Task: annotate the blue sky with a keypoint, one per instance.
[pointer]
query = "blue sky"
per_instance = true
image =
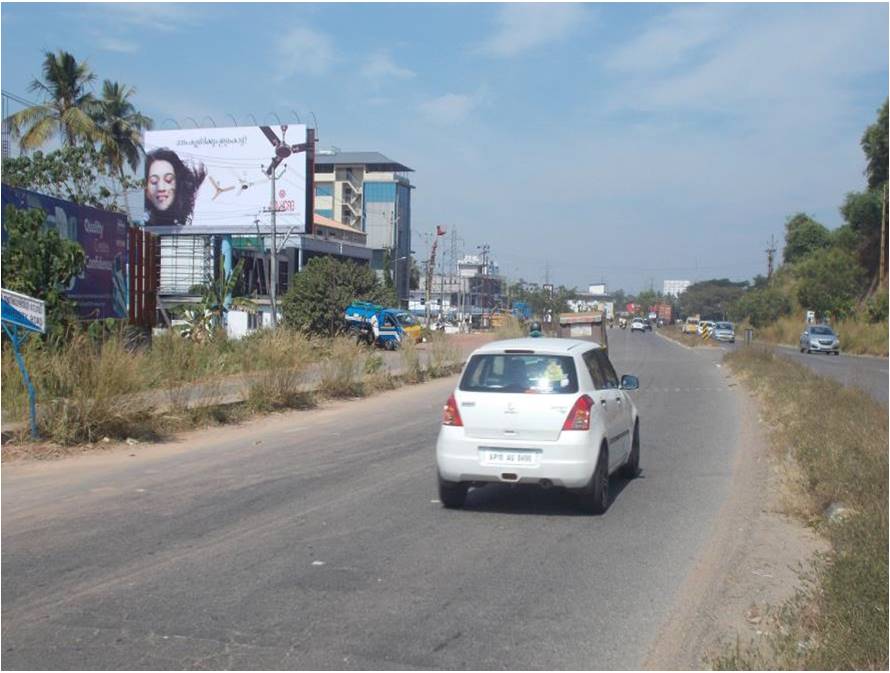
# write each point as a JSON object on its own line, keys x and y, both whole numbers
{"x": 628, "y": 142}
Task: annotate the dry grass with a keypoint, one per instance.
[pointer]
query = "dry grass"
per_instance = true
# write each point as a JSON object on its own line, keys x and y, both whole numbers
{"x": 857, "y": 336}
{"x": 274, "y": 365}
{"x": 838, "y": 437}
{"x": 342, "y": 372}
{"x": 444, "y": 356}
{"x": 413, "y": 371}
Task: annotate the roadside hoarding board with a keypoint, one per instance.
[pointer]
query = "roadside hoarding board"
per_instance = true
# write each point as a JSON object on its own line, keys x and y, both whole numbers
{"x": 23, "y": 311}
{"x": 215, "y": 179}
{"x": 100, "y": 291}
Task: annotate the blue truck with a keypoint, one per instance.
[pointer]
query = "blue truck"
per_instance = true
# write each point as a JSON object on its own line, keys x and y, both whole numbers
{"x": 380, "y": 326}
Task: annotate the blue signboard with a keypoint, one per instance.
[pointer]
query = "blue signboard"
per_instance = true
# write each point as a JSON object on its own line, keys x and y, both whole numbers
{"x": 100, "y": 291}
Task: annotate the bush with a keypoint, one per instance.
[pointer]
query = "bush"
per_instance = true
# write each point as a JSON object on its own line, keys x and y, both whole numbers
{"x": 876, "y": 306}
{"x": 444, "y": 356}
{"x": 761, "y": 307}
{"x": 412, "y": 369}
{"x": 829, "y": 282}
{"x": 274, "y": 363}
{"x": 510, "y": 329}
{"x": 342, "y": 372}
{"x": 320, "y": 293}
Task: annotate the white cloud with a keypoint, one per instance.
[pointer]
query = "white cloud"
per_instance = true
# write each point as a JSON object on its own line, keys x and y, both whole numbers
{"x": 449, "y": 109}
{"x": 160, "y": 16}
{"x": 303, "y": 50}
{"x": 521, "y": 27}
{"x": 381, "y": 66}
{"x": 674, "y": 38}
{"x": 117, "y": 45}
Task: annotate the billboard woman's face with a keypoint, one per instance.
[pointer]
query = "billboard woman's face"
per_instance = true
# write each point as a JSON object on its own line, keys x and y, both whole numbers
{"x": 161, "y": 184}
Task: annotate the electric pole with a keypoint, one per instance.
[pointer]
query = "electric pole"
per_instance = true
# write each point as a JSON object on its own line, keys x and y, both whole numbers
{"x": 770, "y": 253}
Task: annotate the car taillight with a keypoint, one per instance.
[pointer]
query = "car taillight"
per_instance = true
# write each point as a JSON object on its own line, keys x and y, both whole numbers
{"x": 450, "y": 414}
{"x": 579, "y": 416}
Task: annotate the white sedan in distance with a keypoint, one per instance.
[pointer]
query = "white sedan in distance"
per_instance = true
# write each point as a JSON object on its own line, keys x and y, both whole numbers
{"x": 550, "y": 412}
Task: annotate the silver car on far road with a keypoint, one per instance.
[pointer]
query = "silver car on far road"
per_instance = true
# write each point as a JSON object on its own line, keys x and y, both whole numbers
{"x": 819, "y": 338}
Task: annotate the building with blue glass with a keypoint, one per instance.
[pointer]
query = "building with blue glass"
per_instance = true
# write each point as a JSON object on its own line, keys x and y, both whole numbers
{"x": 372, "y": 194}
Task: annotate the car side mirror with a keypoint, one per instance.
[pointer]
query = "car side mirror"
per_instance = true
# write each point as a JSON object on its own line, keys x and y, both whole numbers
{"x": 629, "y": 382}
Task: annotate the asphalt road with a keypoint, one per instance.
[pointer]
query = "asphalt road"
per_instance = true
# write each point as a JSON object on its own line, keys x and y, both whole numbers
{"x": 869, "y": 374}
{"x": 313, "y": 540}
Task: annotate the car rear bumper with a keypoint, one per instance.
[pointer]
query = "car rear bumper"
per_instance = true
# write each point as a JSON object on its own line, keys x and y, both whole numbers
{"x": 724, "y": 337}
{"x": 568, "y": 462}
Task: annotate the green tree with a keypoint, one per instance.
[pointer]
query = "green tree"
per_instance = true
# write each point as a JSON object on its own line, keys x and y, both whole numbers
{"x": 68, "y": 104}
{"x": 829, "y": 282}
{"x": 321, "y": 292}
{"x": 75, "y": 173}
{"x": 119, "y": 128}
{"x": 862, "y": 212}
{"x": 38, "y": 262}
{"x": 711, "y": 299}
{"x": 761, "y": 306}
{"x": 874, "y": 144}
{"x": 803, "y": 235}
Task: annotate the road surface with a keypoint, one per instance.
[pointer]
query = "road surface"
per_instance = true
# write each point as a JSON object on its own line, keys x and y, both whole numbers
{"x": 312, "y": 540}
{"x": 869, "y": 374}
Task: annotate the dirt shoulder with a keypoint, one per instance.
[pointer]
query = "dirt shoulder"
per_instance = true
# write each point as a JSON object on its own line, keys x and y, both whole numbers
{"x": 752, "y": 559}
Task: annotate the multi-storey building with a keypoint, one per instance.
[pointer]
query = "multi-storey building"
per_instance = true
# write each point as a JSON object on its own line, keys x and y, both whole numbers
{"x": 675, "y": 288}
{"x": 371, "y": 193}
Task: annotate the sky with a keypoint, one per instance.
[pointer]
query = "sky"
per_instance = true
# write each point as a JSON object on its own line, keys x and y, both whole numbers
{"x": 625, "y": 143}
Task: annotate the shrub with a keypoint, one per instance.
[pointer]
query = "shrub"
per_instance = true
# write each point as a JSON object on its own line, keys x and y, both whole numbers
{"x": 510, "y": 329}
{"x": 274, "y": 363}
{"x": 411, "y": 365}
{"x": 830, "y": 281}
{"x": 444, "y": 356}
{"x": 342, "y": 372}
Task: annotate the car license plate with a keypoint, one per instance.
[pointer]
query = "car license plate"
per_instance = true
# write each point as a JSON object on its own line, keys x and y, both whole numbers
{"x": 512, "y": 458}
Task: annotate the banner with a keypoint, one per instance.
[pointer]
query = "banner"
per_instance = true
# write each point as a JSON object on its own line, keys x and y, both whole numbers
{"x": 216, "y": 178}
{"x": 100, "y": 291}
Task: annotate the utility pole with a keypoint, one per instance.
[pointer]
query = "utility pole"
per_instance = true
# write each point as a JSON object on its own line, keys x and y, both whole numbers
{"x": 273, "y": 262}
{"x": 770, "y": 253}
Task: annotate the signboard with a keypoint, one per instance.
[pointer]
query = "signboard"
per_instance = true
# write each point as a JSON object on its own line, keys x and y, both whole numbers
{"x": 215, "y": 179}
{"x": 100, "y": 291}
{"x": 24, "y": 311}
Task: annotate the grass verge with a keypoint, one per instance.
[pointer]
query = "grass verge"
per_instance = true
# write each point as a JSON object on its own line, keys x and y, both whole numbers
{"x": 838, "y": 438}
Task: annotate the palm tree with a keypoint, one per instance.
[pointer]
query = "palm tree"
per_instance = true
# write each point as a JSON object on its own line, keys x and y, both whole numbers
{"x": 67, "y": 105}
{"x": 119, "y": 127}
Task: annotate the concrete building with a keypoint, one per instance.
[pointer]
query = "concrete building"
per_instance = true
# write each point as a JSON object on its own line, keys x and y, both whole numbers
{"x": 675, "y": 288}
{"x": 372, "y": 194}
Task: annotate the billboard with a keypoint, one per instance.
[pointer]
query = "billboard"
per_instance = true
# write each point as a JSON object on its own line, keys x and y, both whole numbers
{"x": 100, "y": 291}
{"x": 214, "y": 179}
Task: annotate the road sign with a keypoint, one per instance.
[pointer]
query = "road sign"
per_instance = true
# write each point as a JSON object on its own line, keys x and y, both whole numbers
{"x": 24, "y": 311}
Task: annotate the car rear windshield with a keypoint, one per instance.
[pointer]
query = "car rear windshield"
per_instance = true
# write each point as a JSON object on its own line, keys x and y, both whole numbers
{"x": 821, "y": 331}
{"x": 520, "y": 373}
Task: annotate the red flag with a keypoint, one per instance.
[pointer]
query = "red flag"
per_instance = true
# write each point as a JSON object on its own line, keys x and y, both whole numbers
{"x": 439, "y": 231}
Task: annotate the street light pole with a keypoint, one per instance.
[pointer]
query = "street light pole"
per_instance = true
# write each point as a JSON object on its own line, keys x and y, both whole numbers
{"x": 273, "y": 262}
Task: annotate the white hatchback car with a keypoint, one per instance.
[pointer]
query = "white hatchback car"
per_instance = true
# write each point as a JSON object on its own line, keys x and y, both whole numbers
{"x": 550, "y": 412}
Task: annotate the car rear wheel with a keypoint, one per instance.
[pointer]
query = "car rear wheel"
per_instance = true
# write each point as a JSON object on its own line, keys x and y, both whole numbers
{"x": 452, "y": 494}
{"x": 594, "y": 497}
{"x": 631, "y": 468}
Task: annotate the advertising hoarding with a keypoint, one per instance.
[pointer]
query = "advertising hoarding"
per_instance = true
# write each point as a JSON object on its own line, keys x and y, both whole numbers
{"x": 214, "y": 179}
{"x": 100, "y": 291}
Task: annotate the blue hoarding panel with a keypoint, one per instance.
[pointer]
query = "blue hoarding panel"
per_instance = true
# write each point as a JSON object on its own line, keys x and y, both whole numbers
{"x": 100, "y": 291}
{"x": 379, "y": 192}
